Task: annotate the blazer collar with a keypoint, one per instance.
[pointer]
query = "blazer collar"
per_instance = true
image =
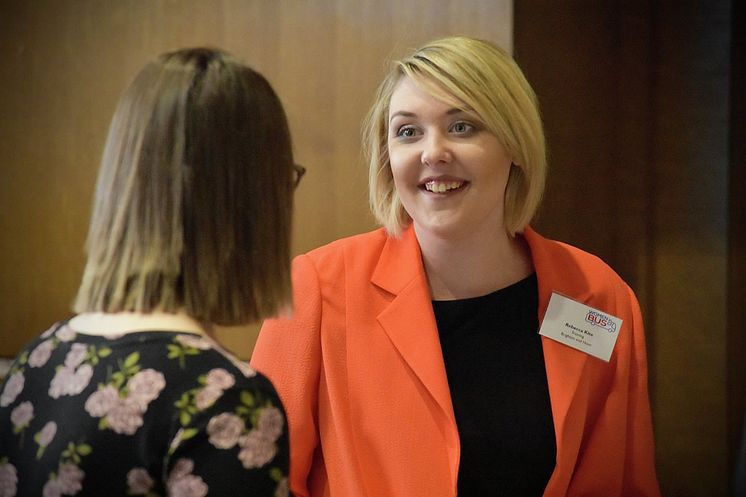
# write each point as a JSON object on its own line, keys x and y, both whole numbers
{"x": 408, "y": 320}
{"x": 400, "y": 263}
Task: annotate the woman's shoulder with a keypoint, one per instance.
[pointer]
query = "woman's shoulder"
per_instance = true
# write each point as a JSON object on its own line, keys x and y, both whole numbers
{"x": 359, "y": 253}
{"x": 206, "y": 356}
{"x": 571, "y": 268}
{"x": 369, "y": 241}
{"x": 553, "y": 251}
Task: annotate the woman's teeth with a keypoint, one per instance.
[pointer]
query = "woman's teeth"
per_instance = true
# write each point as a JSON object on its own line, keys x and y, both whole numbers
{"x": 442, "y": 186}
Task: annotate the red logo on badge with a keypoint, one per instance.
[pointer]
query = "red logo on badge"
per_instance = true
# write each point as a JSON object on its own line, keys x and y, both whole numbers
{"x": 601, "y": 320}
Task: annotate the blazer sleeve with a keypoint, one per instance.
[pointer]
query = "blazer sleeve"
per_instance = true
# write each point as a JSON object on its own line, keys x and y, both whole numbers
{"x": 640, "y": 474}
{"x": 288, "y": 352}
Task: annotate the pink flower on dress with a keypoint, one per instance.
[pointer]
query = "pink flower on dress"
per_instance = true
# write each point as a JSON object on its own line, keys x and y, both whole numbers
{"x": 139, "y": 481}
{"x": 220, "y": 378}
{"x": 52, "y": 488}
{"x": 102, "y": 401}
{"x": 183, "y": 483}
{"x": 41, "y": 354}
{"x": 69, "y": 381}
{"x": 13, "y": 387}
{"x": 65, "y": 333}
{"x": 207, "y": 397}
{"x": 62, "y": 377}
{"x": 247, "y": 370}
{"x": 22, "y": 415}
{"x": 270, "y": 422}
{"x": 125, "y": 417}
{"x": 182, "y": 467}
{"x": 8, "y": 480}
{"x": 70, "y": 478}
{"x": 256, "y": 449}
{"x": 80, "y": 379}
{"x": 178, "y": 438}
{"x": 194, "y": 342}
{"x": 49, "y": 331}
{"x": 145, "y": 386}
{"x": 46, "y": 435}
{"x": 224, "y": 430}
{"x": 77, "y": 354}
{"x": 187, "y": 486}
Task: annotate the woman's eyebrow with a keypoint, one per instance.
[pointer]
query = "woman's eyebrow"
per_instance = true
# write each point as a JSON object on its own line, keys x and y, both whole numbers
{"x": 449, "y": 112}
{"x": 402, "y": 113}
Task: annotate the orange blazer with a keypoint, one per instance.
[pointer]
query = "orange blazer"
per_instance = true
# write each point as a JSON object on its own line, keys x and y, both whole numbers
{"x": 359, "y": 369}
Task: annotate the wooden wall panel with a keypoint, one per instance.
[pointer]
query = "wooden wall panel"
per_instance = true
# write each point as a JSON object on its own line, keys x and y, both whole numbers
{"x": 736, "y": 343}
{"x": 690, "y": 225}
{"x": 587, "y": 61}
{"x": 66, "y": 63}
{"x": 635, "y": 98}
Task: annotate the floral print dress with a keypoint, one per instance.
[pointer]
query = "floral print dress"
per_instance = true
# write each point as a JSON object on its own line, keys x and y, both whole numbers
{"x": 146, "y": 413}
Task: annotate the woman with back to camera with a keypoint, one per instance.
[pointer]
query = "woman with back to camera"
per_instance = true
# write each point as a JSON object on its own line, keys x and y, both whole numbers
{"x": 412, "y": 365}
{"x": 190, "y": 231}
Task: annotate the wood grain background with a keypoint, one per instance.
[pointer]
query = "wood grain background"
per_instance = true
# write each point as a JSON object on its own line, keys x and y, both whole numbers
{"x": 66, "y": 63}
{"x": 643, "y": 105}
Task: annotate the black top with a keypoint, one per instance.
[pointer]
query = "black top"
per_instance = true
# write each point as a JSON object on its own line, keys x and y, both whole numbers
{"x": 147, "y": 413}
{"x": 495, "y": 366}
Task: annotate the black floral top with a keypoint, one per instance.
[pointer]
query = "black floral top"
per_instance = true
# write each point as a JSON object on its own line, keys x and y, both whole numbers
{"x": 146, "y": 413}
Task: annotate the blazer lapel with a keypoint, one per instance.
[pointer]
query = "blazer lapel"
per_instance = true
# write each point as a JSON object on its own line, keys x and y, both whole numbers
{"x": 410, "y": 325}
{"x": 408, "y": 320}
{"x": 556, "y": 271}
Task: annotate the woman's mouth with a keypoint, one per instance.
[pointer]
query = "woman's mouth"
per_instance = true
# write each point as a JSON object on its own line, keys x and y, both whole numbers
{"x": 442, "y": 186}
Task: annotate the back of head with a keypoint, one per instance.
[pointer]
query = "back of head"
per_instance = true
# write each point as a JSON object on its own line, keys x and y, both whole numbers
{"x": 485, "y": 79}
{"x": 194, "y": 197}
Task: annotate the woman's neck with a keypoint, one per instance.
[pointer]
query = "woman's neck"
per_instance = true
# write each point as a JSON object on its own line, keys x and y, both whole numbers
{"x": 475, "y": 265}
{"x": 117, "y": 323}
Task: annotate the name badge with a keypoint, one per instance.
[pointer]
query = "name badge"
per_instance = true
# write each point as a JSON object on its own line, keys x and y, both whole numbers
{"x": 581, "y": 327}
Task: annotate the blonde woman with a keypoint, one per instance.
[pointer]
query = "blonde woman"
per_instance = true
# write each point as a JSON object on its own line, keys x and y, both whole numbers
{"x": 412, "y": 365}
{"x": 190, "y": 231}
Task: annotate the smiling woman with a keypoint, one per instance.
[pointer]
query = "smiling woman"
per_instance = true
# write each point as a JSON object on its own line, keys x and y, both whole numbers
{"x": 414, "y": 350}
{"x": 449, "y": 170}
{"x": 509, "y": 111}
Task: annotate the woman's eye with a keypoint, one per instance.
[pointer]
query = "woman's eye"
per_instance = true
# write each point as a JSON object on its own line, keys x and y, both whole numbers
{"x": 462, "y": 127}
{"x": 406, "y": 132}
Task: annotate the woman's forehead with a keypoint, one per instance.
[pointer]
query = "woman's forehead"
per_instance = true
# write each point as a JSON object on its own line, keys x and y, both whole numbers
{"x": 434, "y": 89}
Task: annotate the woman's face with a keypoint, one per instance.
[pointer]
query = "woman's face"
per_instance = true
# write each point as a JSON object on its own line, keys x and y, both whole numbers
{"x": 450, "y": 172}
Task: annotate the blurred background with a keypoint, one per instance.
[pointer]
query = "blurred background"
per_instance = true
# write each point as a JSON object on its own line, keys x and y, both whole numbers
{"x": 643, "y": 103}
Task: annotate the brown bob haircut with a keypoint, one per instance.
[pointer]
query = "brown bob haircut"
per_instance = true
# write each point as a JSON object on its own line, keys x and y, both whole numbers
{"x": 193, "y": 203}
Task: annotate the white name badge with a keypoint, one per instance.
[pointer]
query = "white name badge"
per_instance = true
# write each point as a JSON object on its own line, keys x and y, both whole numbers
{"x": 581, "y": 327}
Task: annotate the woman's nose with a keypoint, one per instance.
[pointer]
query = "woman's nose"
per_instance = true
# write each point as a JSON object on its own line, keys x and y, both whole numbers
{"x": 435, "y": 150}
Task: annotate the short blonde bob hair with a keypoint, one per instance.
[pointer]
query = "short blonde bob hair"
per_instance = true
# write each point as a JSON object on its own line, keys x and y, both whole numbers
{"x": 487, "y": 81}
{"x": 193, "y": 203}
